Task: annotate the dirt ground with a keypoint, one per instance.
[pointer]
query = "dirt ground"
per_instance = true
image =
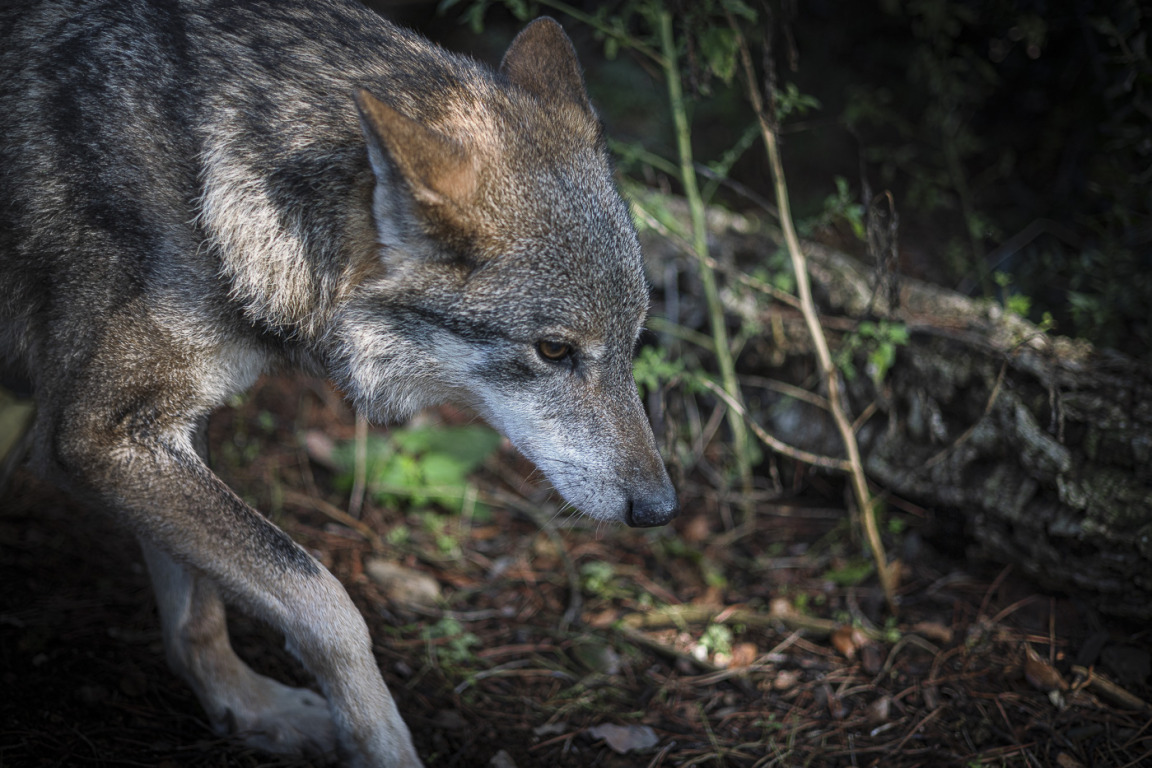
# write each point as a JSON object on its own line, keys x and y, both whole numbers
{"x": 706, "y": 643}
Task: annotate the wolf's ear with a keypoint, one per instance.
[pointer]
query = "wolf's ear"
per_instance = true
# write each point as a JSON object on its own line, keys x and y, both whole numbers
{"x": 439, "y": 170}
{"x": 542, "y": 61}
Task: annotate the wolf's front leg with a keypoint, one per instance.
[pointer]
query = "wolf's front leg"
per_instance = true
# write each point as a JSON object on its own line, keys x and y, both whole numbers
{"x": 217, "y": 546}
{"x": 262, "y": 712}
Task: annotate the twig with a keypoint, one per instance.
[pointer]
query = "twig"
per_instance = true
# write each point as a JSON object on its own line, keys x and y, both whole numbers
{"x": 803, "y": 288}
{"x": 676, "y": 616}
{"x": 740, "y": 443}
{"x": 336, "y": 514}
{"x": 786, "y": 389}
{"x": 992, "y": 590}
{"x": 640, "y": 638}
{"x": 775, "y": 443}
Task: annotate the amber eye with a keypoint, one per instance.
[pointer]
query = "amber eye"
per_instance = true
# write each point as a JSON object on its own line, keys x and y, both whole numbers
{"x": 553, "y": 351}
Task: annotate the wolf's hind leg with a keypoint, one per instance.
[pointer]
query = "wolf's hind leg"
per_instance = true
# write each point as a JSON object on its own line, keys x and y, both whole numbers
{"x": 265, "y": 714}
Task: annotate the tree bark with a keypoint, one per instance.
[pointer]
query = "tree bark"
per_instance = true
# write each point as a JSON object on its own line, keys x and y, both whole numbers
{"x": 1042, "y": 444}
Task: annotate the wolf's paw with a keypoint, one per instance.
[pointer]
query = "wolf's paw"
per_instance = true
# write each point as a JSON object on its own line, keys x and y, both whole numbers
{"x": 276, "y": 718}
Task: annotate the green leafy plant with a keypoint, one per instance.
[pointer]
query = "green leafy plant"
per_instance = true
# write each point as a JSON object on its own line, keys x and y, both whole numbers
{"x": 449, "y": 644}
{"x": 596, "y": 577}
{"x": 717, "y": 638}
{"x": 653, "y": 368}
{"x": 851, "y": 573}
{"x": 841, "y": 205}
{"x": 1014, "y": 302}
{"x": 879, "y": 341}
{"x": 447, "y": 542}
{"x": 776, "y": 271}
{"x": 420, "y": 466}
{"x": 790, "y": 100}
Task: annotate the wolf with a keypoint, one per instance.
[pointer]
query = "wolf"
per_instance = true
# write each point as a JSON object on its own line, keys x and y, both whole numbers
{"x": 194, "y": 193}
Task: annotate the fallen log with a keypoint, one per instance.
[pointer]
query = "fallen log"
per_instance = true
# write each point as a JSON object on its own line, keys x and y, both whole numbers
{"x": 1040, "y": 443}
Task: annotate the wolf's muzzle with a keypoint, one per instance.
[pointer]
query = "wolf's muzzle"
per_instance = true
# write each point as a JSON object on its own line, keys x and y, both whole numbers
{"x": 650, "y": 511}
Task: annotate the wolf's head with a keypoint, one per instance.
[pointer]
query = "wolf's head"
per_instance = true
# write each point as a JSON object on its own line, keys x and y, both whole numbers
{"x": 511, "y": 279}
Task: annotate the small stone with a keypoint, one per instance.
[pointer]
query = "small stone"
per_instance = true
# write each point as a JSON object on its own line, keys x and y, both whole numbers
{"x": 405, "y": 586}
{"x": 502, "y": 760}
{"x": 786, "y": 679}
{"x": 623, "y": 739}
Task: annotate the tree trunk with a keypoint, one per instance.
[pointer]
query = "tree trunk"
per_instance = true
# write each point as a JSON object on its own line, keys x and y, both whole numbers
{"x": 1041, "y": 443}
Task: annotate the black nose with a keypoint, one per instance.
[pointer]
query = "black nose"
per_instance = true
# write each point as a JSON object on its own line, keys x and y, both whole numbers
{"x": 650, "y": 511}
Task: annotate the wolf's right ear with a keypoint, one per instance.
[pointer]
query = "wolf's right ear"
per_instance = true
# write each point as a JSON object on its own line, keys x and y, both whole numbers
{"x": 542, "y": 61}
{"x": 439, "y": 170}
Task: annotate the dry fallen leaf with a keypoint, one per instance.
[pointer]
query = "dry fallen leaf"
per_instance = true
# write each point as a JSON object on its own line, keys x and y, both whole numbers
{"x": 744, "y": 654}
{"x": 1065, "y": 760}
{"x": 623, "y": 739}
{"x": 932, "y": 630}
{"x": 785, "y": 679}
{"x": 502, "y": 760}
{"x": 1042, "y": 675}
{"x": 848, "y": 640}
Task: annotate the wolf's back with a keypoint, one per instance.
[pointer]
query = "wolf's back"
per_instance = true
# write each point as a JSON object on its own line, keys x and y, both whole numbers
{"x": 200, "y": 152}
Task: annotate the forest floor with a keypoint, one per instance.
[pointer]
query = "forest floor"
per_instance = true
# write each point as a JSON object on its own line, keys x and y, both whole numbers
{"x": 560, "y": 642}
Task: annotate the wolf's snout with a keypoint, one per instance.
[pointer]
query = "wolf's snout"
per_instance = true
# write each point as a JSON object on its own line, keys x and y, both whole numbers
{"x": 652, "y": 510}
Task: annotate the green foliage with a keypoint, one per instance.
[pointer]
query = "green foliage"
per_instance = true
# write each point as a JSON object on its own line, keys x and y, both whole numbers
{"x": 718, "y": 47}
{"x": 721, "y": 167}
{"x": 399, "y": 536}
{"x": 1016, "y": 303}
{"x": 776, "y": 271}
{"x": 852, "y": 573}
{"x": 447, "y": 542}
{"x": 842, "y": 205}
{"x": 653, "y": 368}
{"x": 421, "y": 465}
{"x": 455, "y": 650}
{"x": 879, "y": 341}
{"x": 717, "y": 638}
{"x": 1100, "y": 295}
{"x": 790, "y": 101}
{"x": 596, "y": 577}
{"x": 472, "y": 15}
{"x": 891, "y": 631}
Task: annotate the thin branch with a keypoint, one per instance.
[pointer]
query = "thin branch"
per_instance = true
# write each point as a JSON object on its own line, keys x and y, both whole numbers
{"x": 808, "y": 307}
{"x": 775, "y": 443}
{"x": 727, "y": 366}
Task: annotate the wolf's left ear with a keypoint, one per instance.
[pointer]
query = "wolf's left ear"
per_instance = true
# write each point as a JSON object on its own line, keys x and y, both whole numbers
{"x": 542, "y": 61}
{"x": 439, "y": 170}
